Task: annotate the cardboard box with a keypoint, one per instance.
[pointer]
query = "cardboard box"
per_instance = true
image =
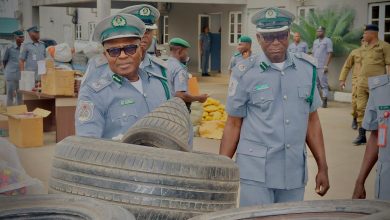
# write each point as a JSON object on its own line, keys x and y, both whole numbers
{"x": 3, "y": 126}
{"x": 58, "y": 82}
{"x": 26, "y": 128}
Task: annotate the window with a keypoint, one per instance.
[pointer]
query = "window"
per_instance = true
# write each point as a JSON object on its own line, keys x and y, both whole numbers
{"x": 379, "y": 14}
{"x": 235, "y": 27}
{"x": 165, "y": 30}
{"x": 91, "y": 28}
{"x": 304, "y": 11}
{"x": 78, "y": 32}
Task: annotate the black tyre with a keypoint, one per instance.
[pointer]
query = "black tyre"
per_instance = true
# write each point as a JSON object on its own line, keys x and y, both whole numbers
{"x": 60, "y": 207}
{"x": 319, "y": 210}
{"x": 168, "y": 126}
{"x": 152, "y": 183}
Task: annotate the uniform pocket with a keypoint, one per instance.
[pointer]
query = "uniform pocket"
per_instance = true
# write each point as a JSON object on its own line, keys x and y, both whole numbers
{"x": 304, "y": 93}
{"x": 124, "y": 115}
{"x": 251, "y": 159}
{"x": 261, "y": 97}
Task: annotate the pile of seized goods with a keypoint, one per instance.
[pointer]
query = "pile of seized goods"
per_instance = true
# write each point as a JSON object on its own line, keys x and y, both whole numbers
{"x": 213, "y": 119}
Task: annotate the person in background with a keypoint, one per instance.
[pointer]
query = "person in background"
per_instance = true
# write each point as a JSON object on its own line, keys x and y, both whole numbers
{"x": 123, "y": 93}
{"x": 354, "y": 62}
{"x": 322, "y": 51}
{"x": 178, "y": 75}
{"x": 205, "y": 49}
{"x": 243, "y": 51}
{"x": 376, "y": 120}
{"x": 297, "y": 45}
{"x": 12, "y": 69}
{"x": 376, "y": 61}
{"x": 272, "y": 114}
{"x": 152, "y": 50}
{"x": 32, "y": 52}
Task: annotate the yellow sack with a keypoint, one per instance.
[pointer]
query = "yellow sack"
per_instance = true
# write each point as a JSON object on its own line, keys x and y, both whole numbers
{"x": 212, "y": 129}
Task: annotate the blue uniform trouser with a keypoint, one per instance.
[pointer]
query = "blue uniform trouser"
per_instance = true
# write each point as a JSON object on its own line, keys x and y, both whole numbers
{"x": 322, "y": 82}
{"x": 205, "y": 61}
{"x": 256, "y": 194}
{"x": 12, "y": 88}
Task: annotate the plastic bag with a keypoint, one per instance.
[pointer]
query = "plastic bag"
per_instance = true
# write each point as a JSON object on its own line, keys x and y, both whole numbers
{"x": 13, "y": 178}
{"x": 212, "y": 129}
{"x": 62, "y": 53}
{"x": 196, "y": 113}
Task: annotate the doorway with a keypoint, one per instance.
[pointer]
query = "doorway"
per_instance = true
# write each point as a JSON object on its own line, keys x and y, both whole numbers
{"x": 213, "y": 20}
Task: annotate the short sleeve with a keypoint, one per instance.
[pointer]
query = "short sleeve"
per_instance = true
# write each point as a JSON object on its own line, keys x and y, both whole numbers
{"x": 180, "y": 81}
{"x": 329, "y": 46}
{"x": 23, "y": 53}
{"x": 317, "y": 102}
{"x": 305, "y": 47}
{"x": 6, "y": 55}
{"x": 89, "y": 117}
{"x": 370, "y": 121}
{"x": 232, "y": 63}
{"x": 386, "y": 52}
{"x": 236, "y": 104}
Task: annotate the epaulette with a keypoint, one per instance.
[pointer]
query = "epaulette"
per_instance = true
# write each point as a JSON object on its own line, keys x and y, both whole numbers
{"x": 150, "y": 73}
{"x": 243, "y": 66}
{"x": 236, "y": 54}
{"x": 377, "y": 81}
{"x": 159, "y": 61}
{"x": 307, "y": 58}
{"x": 100, "y": 84}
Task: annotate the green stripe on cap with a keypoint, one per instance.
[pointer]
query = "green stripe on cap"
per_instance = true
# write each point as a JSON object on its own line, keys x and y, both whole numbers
{"x": 245, "y": 39}
{"x": 179, "y": 42}
{"x": 118, "y": 31}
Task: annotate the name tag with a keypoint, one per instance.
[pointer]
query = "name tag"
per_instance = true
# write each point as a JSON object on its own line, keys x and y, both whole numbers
{"x": 382, "y": 131}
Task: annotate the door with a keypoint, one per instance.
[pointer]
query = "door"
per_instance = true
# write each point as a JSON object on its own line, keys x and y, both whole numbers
{"x": 215, "y": 58}
{"x": 203, "y": 20}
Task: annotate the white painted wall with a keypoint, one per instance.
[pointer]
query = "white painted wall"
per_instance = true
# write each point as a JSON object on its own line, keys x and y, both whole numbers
{"x": 8, "y": 8}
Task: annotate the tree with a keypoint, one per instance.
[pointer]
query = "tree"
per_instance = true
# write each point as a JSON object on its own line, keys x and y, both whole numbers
{"x": 338, "y": 24}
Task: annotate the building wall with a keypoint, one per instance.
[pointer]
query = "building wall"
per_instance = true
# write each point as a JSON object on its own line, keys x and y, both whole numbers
{"x": 8, "y": 8}
{"x": 183, "y": 22}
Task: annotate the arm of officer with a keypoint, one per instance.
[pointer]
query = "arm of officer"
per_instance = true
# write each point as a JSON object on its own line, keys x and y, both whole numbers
{"x": 370, "y": 122}
{"x": 330, "y": 53}
{"x": 180, "y": 84}
{"x": 5, "y": 57}
{"x": 315, "y": 142}
{"x": 345, "y": 70}
{"x": 90, "y": 116}
{"x": 386, "y": 52}
{"x": 22, "y": 58}
{"x": 236, "y": 109}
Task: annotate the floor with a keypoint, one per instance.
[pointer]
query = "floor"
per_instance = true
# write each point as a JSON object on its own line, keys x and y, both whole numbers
{"x": 344, "y": 159}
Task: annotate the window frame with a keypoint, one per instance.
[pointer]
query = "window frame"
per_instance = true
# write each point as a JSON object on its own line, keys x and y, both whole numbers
{"x": 79, "y": 32}
{"x": 165, "y": 31}
{"x": 235, "y": 24}
{"x": 306, "y": 11}
{"x": 381, "y": 19}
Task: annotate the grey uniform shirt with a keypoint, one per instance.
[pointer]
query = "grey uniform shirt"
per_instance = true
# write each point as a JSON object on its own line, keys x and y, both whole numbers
{"x": 107, "y": 108}
{"x": 31, "y": 53}
{"x": 320, "y": 51}
{"x": 300, "y": 47}
{"x": 206, "y": 41}
{"x": 11, "y": 57}
{"x": 177, "y": 75}
{"x": 272, "y": 102}
{"x": 378, "y": 104}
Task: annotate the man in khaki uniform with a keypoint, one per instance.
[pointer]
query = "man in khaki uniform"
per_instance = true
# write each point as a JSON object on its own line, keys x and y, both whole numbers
{"x": 376, "y": 58}
{"x": 354, "y": 62}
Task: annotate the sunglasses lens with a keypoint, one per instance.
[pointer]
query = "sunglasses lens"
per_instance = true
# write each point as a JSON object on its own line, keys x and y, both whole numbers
{"x": 271, "y": 37}
{"x": 114, "y": 52}
{"x": 130, "y": 49}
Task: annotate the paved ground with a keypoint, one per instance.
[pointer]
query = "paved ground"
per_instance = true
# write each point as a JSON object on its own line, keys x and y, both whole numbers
{"x": 344, "y": 159}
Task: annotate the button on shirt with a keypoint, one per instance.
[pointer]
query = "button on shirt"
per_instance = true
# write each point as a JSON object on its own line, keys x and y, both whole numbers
{"x": 107, "y": 108}
{"x": 321, "y": 48}
{"x": 31, "y": 53}
{"x": 272, "y": 102}
{"x": 11, "y": 57}
{"x": 300, "y": 47}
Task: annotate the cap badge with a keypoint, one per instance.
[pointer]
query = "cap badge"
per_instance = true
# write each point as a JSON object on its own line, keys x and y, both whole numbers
{"x": 118, "y": 21}
{"x": 145, "y": 11}
{"x": 270, "y": 13}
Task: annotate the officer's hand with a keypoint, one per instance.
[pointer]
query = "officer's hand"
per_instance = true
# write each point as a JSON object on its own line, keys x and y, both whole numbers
{"x": 359, "y": 192}
{"x": 342, "y": 84}
{"x": 322, "y": 183}
{"x": 203, "y": 98}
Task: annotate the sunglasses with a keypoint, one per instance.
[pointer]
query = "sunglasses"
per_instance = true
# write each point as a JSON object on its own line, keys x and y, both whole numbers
{"x": 271, "y": 37}
{"x": 128, "y": 49}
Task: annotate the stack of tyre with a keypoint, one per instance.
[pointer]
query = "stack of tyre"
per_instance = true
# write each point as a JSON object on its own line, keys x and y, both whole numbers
{"x": 152, "y": 173}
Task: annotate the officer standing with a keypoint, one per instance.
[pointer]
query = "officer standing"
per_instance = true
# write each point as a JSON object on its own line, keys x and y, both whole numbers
{"x": 243, "y": 51}
{"x": 109, "y": 105}
{"x": 376, "y": 120}
{"x": 12, "y": 71}
{"x": 272, "y": 106}
{"x": 298, "y": 45}
{"x": 376, "y": 58}
{"x": 178, "y": 75}
{"x": 354, "y": 62}
{"x": 322, "y": 51}
{"x": 205, "y": 49}
{"x": 32, "y": 52}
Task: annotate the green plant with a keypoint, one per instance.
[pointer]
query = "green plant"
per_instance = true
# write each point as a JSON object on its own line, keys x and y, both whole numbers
{"x": 338, "y": 24}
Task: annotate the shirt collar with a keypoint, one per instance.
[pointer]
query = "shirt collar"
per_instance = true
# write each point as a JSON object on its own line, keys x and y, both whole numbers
{"x": 146, "y": 62}
{"x": 265, "y": 63}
